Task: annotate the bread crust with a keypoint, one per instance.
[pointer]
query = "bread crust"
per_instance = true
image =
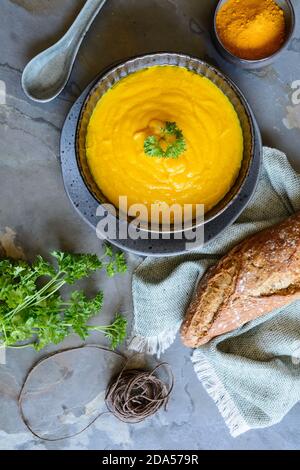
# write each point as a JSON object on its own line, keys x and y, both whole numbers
{"x": 260, "y": 274}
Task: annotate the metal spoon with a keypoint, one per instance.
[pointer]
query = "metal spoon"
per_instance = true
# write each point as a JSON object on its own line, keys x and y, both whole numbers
{"x": 46, "y": 75}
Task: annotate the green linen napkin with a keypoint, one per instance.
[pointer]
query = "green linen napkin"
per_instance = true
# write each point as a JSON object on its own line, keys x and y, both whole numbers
{"x": 252, "y": 373}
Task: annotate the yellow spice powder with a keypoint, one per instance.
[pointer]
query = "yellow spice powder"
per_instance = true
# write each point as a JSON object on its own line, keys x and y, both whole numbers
{"x": 251, "y": 29}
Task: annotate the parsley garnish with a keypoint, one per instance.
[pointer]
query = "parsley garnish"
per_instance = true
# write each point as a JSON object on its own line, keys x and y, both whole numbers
{"x": 33, "y": 310}
{"x": 153, "y": 144}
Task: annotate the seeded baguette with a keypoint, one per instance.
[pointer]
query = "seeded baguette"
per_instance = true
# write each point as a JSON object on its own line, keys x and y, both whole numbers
{"x": 260, "y": 274}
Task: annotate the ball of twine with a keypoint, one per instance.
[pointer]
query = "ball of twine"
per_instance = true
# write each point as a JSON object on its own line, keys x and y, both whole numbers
{"x": 136, "y": 394}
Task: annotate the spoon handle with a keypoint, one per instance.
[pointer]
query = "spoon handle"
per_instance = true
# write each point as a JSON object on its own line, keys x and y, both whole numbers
{"x": 82, "y": 23}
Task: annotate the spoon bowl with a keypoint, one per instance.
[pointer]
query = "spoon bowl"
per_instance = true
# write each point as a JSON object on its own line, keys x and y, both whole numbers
{"x": 47, "y": 74}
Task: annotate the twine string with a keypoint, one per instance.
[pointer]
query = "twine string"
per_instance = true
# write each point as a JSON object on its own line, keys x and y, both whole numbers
{"x": 132, "y": 396}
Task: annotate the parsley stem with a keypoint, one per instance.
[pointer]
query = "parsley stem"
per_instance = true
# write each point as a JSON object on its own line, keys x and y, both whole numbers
{"x": 5, "y": 284}
{"x": 97, "y": 328}
{"x": 4, "y": 331}
{"x": 31, "y": 299}
{"x": 49, "y": 294}
{"x": 26, "y": 278}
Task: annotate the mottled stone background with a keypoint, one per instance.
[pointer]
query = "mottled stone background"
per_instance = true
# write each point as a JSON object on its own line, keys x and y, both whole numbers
{"x": 36, "y": 216}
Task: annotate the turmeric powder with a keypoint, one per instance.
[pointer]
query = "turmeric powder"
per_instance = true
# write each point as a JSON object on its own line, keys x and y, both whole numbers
{"x": 251, "y": 29}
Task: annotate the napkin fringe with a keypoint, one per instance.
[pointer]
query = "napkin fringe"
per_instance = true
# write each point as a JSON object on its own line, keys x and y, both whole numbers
{"x": 216, "y": 390}
{"x": 154, "y": 345}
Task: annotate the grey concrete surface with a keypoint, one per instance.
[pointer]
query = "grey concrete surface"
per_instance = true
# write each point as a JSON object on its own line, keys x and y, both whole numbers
{"x": 36, "y": 216}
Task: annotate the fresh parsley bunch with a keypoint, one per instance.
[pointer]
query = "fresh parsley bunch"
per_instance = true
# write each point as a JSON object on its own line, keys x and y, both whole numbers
{"x": 32, "y": 308}
{"x": 153, "y": 143}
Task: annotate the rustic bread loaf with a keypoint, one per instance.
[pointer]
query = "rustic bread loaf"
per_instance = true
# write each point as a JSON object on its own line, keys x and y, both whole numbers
{"x": 260, "y": 274}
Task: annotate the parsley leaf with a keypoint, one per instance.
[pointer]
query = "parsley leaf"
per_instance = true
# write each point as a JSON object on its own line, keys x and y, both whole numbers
{"x": 152, "y": 147}
{"x": 116, "y": 332}
{"x": 173, "y": 149}
{"x": 116, "y": 263}
{"x": 76, "y": 266}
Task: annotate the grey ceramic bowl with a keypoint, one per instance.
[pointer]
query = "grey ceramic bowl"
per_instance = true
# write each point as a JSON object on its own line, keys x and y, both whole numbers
{"x": 197, "y": 66}
{"x": 290, "y": 19}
